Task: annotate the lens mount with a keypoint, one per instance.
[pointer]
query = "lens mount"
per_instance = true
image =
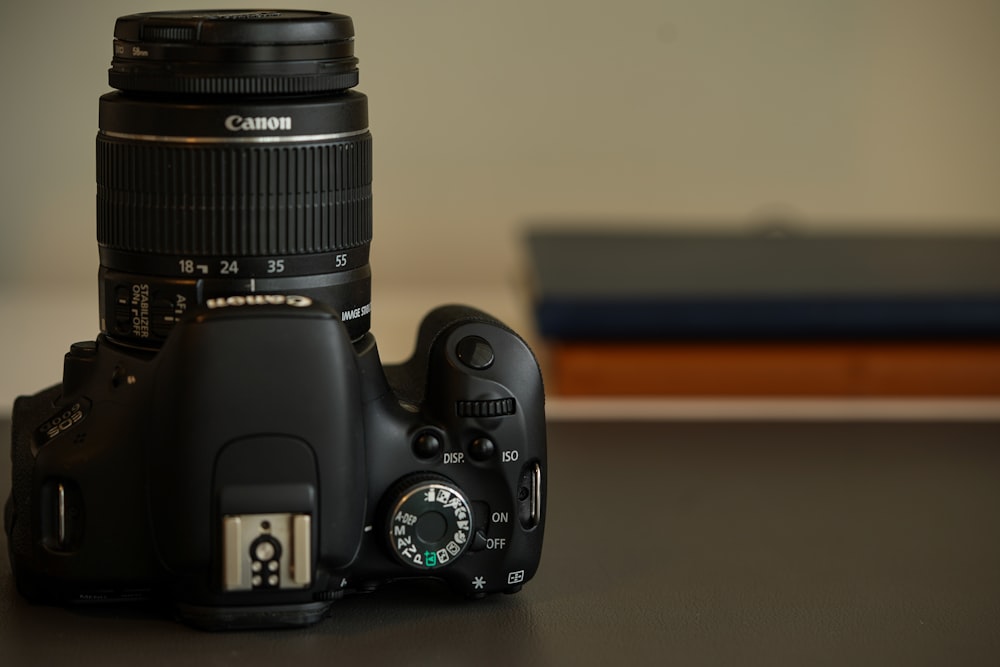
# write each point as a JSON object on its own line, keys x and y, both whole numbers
{"x": 233, "y": 52}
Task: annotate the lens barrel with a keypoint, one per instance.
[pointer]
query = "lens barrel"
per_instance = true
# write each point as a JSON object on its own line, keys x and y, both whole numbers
{"x": 232, "y": 162}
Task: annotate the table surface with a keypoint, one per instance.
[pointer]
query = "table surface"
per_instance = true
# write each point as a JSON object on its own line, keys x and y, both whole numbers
{"x": 688, "y": 543}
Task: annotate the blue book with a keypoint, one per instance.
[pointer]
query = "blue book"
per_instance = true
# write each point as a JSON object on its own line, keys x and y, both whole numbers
{"x": 648, "y": 285}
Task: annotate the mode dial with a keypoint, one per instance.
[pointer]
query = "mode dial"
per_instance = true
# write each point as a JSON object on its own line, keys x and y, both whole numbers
{"x": 429, "y": 523}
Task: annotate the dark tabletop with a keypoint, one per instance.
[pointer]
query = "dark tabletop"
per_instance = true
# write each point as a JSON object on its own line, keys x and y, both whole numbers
{"x": 667, "y": 543}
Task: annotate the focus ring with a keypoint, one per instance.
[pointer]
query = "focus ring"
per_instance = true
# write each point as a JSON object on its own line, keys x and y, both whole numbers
{"x": 227, "y": 199}
{"x": 232, "y": 85}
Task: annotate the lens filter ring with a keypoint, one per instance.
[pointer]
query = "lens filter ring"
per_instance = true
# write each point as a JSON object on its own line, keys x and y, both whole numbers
{"x": 234, "y": 52}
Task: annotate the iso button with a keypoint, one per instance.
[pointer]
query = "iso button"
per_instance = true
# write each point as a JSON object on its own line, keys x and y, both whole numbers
{"x": 430, "y": 522}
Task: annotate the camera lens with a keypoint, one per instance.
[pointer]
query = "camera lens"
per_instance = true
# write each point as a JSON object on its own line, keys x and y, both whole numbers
{"x": 233, "y": 168}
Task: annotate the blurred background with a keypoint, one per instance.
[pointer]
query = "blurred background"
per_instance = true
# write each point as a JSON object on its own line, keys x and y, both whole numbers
{"x": 490, "y": 115}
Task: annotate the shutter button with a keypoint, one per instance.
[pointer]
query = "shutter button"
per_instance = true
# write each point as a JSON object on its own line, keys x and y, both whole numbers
{"x": 475, "y": 353}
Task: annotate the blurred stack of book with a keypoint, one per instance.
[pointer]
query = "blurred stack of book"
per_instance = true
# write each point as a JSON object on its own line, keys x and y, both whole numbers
{"x": 653, "y": 313}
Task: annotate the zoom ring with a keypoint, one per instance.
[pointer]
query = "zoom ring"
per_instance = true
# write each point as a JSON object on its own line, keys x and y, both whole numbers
{"x": 228, "y": 199}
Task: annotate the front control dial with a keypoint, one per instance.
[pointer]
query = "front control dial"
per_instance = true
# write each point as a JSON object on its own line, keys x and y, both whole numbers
{"x": 429, "y": 522}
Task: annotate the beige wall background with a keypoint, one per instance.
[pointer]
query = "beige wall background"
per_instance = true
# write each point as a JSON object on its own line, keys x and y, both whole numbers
{"x": 485, "y": 115}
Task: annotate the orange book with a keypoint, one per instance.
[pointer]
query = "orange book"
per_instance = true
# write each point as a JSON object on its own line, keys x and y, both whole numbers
{"x": 813, "y": 369}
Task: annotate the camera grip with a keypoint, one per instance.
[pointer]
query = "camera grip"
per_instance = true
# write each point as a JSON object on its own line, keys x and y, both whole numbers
{"x": 28, "y": 411}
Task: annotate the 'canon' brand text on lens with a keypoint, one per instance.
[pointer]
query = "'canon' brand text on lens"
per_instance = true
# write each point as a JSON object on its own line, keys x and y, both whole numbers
{"x": 237, "y": 123}
{"x": 260, "y": 300}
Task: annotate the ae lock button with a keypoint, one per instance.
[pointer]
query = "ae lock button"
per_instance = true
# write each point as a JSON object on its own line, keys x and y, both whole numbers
{"x": 429, "y": 523}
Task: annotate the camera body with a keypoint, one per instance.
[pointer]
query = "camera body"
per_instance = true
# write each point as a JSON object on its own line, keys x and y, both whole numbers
{"x": 231, "y": 442}
{"x": 253, "y": 481}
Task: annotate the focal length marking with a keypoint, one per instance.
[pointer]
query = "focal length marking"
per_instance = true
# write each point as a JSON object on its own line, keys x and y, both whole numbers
{"x": 231, "y": 267}
{"x": 245, "y": 266}
{"x": 291, "y": 138}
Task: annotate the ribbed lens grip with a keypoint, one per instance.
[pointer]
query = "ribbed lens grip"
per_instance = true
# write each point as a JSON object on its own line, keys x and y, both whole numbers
{"x": 232, "y": 85}
{"x": 233, "y": 199}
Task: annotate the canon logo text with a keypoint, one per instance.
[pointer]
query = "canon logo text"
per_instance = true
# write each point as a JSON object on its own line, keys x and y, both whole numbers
{"x": 236, "y": 123}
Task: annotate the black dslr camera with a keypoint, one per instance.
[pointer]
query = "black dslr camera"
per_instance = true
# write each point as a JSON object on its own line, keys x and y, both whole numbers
{"x": 231, "y": 442}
